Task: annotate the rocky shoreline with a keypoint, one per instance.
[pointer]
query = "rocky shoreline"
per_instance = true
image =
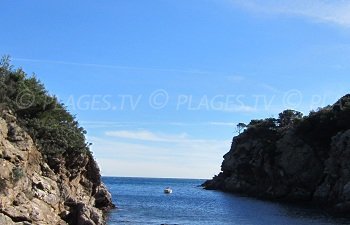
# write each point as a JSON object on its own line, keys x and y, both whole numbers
{"x": 305, "y": 159}
{"x": 62, "y": 190}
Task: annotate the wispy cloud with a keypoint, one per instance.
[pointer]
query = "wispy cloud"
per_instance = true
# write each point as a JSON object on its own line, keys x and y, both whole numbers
{"x": 229, "y": 124}
{"x": 145, "y": 135}
{"x": 155, "y": 150}
{"x": 157, "y": 168}
{"x": 107, "y": 66}
{"x": 182, "y": 158}
{"x": 125, "y": 125}
{"x": 335, "y": 12}
{"x": 269, "y": 87}
{"x": 238, "y": 109}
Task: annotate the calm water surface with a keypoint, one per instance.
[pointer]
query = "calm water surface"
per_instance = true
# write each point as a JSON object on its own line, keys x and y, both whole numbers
{"x": 141, "y": 201}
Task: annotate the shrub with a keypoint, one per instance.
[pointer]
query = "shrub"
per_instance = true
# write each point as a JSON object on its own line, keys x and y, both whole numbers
{"x": 317, "y": 129}
{"x": 47, "y": 120}
{"x": 289, "y": 118}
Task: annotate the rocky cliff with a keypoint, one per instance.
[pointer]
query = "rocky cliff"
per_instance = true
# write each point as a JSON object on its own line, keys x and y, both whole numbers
{"x": 293, "y": 158}
{"x": 34, "y": 190}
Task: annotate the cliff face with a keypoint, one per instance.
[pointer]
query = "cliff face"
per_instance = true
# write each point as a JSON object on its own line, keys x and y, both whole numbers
{"x": 65, "y": 190}
{"x": 306, "y": 160}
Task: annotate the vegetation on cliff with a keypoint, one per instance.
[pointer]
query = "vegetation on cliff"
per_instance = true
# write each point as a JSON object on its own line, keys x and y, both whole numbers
{"x": 293, "y": 157}
{"x": 47, "y": 120}
{"x": 48, "y": 174}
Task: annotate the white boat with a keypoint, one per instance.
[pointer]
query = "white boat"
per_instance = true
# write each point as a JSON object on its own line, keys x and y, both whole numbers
{"x": 168, "y": 190}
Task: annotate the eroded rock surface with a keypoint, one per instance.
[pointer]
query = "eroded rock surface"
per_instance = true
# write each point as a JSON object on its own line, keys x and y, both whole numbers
{"x": 304, "y": 161}
{"x": 68, "y": 191}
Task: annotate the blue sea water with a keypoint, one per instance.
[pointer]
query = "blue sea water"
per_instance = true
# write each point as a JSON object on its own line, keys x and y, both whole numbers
{"x": 142, "y": 201}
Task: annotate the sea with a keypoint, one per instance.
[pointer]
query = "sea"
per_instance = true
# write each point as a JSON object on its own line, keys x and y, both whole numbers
{"x": 142, "y": 201}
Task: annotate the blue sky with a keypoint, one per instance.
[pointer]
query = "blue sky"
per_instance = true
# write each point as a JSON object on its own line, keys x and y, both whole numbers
{"x": 159, "y": 85}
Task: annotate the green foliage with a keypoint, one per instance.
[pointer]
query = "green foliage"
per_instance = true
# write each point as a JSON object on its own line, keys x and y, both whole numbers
{"x": 265, "y": 124}
{"x": 17, "y": 174}
{"x": 47, "y": 120}
{"x": 289, "y": 118}
{"x": 317, "y": 129}
{"x": 265, "y": 129}
{"x": 241, "y": 127}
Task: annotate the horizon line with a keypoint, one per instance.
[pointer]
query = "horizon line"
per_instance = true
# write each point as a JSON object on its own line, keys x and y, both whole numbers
{"x": 146, "y": 177}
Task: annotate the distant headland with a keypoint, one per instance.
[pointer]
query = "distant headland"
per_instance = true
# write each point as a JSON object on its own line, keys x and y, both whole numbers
{"x": 292, "y": 158}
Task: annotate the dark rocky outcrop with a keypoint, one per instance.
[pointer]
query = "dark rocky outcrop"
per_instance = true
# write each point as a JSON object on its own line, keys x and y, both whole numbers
{"x": 305, "y": 159}
{"x": 61, "y": 190}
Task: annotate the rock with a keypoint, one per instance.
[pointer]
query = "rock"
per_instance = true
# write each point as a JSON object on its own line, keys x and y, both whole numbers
{"x": 322, "y": 192}
{"x": 305, "y": 160}
{"x": 3, "y": 128}
{"x": 346, "y": 192}
{"x": 32, "y": 192}
{"x": 5, "y": 220}
{"x": 103, "y": 198}
{"x": 298, "y": 162}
